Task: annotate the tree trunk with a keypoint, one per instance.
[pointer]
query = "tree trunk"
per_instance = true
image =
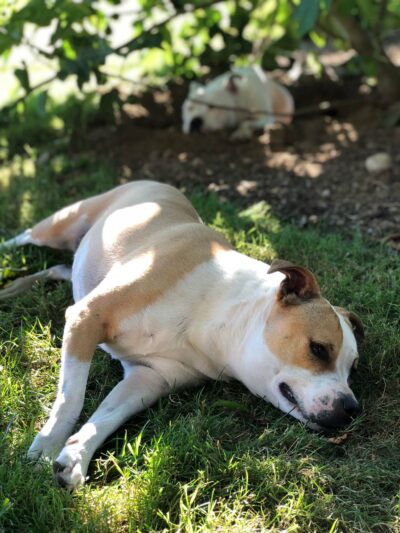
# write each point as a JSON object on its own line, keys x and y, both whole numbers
{"x": 388, "y": 74}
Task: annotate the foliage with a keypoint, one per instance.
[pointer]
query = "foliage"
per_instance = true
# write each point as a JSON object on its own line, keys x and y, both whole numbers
{"x": 178, "y": 37}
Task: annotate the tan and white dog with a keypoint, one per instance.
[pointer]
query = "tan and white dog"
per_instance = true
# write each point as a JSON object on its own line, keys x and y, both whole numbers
{"x": 176, "y": 304}
{"x": 244, "y": 99}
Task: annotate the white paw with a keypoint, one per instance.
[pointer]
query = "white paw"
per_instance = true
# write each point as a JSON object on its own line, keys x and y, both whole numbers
{"x": 70, "y": 468}
{"x": 45, "y": 447}
{"x": 242, "y": 134}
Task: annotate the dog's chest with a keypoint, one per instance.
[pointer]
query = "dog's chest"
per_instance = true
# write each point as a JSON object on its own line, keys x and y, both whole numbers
{"x": 142, "y": 335}
{"x": 145, "y": 337}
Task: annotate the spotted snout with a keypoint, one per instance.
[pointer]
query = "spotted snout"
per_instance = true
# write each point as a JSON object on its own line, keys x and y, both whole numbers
{"x": 326, "y": 412}
{"x": 344, "y": 409}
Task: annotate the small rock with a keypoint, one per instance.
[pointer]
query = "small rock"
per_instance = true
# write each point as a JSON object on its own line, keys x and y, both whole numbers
{"x": 378, "y": 162}
{"x": 183, "y": 157}
{"x": 245, "y": 186}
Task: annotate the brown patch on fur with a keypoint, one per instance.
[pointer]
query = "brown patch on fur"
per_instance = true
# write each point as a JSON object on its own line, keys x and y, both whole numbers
{"x": 282, "y": 102}
{"x": 65, "y": 228}
{"x": 172, "y": 256}
{"x": 144, "y": 237}
{"x": 291, "y": 328}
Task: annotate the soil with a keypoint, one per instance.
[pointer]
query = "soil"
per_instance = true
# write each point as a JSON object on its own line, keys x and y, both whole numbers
{"x": 312, "y": 173}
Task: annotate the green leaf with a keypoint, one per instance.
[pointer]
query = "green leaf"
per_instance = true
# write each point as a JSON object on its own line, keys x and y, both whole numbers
{"x": 41, "y": 100}
{"x": 23, "y": 78}
{"x": 146, "y": 40}
{"x": 306, "y": 14}
{"x": 231, "y": 405}
{"x": 6, "y": 42}
{"x": 368, "y": 12}
{"x": 326, "y": 4}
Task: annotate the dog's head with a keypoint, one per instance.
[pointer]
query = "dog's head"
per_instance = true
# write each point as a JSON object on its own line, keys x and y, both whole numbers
{"x": 314, "y": 349}
{"x": 201, "y": 111}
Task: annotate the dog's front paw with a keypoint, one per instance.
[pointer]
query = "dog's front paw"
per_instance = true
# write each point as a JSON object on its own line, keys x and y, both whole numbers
{"x": 242, "y": 134}
{"x": 44, "y": 447}
{"x": 69, "y": 468}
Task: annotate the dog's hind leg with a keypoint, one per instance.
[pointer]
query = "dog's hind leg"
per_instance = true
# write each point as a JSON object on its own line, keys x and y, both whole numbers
{"x": 20, "y": 285}
{"x": 19, "y": 240}
{"x": 62, "y": 230}
{"x": 65, "y": 228}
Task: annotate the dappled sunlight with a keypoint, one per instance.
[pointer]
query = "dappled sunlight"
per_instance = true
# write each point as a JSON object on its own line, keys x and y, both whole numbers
{"x": 25, "y": 209}
{"x": 314, "y": 152}
{"x": 216, "y": 457}
{"x": 312, "y": 173}
{"x": 96, "y": 93}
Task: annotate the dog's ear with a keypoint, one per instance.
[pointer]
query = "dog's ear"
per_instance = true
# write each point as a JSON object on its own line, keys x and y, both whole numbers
{"x": 194, "y": 87}
{"x": 354, "y": 321}
{"x": 232, "y": 83}
{"x": 299, "y": 282}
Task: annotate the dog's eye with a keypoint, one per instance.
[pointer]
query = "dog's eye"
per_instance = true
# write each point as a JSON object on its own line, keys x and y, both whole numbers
{"x": 319, "y": 351}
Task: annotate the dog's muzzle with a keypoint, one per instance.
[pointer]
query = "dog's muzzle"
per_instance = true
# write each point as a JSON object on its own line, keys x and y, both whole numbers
{"x": 345, "y": 408}
{"x": 196, "y": 124}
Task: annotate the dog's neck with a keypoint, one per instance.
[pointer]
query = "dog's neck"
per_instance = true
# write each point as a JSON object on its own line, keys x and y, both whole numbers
{"x": 238, "y": 306}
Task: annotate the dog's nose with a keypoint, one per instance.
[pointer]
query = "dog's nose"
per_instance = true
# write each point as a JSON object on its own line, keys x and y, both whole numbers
{"x": 195, "y": 124}
{"x": 351, "y": 406}
{"x": 345, "y": 409}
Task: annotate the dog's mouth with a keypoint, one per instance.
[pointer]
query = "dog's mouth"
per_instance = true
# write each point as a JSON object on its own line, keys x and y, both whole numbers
{"x": 297, "y": 410}
{"x": 287, "y": 393}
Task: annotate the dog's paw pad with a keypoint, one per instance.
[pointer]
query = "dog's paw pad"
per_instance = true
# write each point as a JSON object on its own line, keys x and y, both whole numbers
{"x": 57, "y": 467}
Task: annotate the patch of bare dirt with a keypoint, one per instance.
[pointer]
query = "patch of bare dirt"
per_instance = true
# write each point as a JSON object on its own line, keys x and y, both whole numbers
{"x": 313, "y": 173}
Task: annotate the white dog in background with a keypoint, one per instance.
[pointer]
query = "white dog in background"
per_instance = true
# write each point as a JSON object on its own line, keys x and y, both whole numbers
{"x": 244, "y": 99}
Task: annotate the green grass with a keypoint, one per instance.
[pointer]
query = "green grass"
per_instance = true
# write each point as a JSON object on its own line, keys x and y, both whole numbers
{"x": 214, "y": 458}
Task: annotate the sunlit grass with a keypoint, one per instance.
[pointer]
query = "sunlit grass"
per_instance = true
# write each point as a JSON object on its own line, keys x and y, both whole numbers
{"x": 211, "y": 459}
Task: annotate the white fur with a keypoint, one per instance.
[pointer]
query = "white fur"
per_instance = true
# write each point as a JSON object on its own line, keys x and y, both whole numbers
{"x": 210, "y": 324}
{"x": 65, "y": 411}
{"x": 253, "y": 91}
{"x": 19, "y": 240}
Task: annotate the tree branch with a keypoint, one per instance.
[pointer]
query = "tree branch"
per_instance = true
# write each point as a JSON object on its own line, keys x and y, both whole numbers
{"x": 183, "y": 11}
{"x": 361, "y": 41}
{"x": 27, "y": 93}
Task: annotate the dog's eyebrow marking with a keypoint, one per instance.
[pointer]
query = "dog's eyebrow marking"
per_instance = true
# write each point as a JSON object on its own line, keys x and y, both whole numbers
{"x": 291, "y": 328}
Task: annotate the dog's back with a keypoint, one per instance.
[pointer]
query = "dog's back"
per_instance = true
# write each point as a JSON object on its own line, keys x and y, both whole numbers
{"x": 139, "y": 217}
{"x": 282, "y": 102}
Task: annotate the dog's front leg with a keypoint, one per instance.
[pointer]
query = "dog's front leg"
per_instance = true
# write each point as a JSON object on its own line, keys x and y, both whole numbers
{"x": 246, "y": 129}
{"x": 81, "y": 335}
{"x": 139, "y": 389}
{"x": 65, "y": 411}
{"x": 244, "y": 132}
